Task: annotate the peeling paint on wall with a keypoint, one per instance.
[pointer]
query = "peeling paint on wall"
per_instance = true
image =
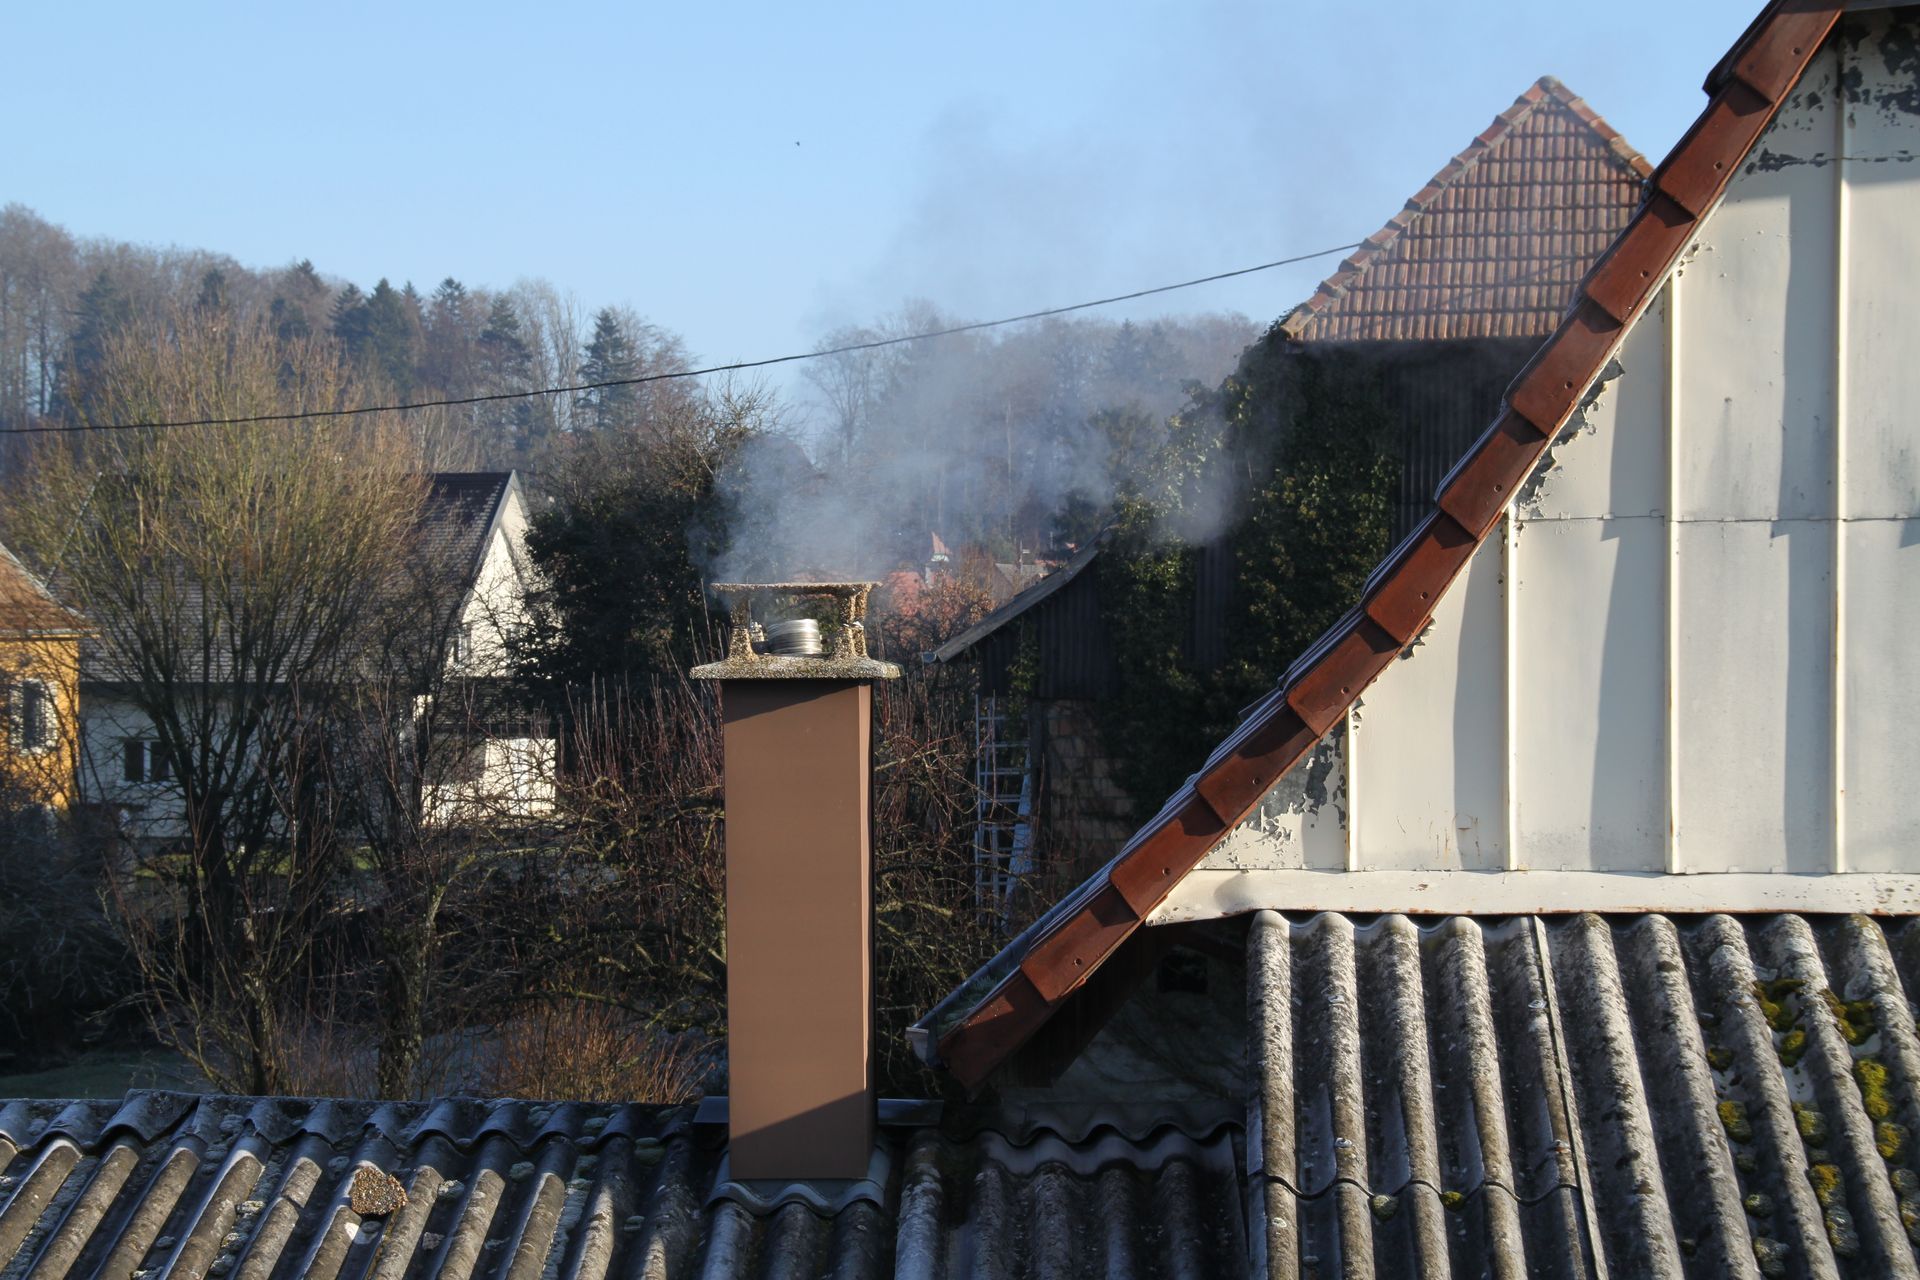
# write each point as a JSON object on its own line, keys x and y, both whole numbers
{"x": 1302, "y": 820}
{"x": 1526, "y": 499}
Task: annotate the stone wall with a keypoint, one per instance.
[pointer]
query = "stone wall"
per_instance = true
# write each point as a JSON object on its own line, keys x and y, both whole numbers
{"x": 1084, "y": 815}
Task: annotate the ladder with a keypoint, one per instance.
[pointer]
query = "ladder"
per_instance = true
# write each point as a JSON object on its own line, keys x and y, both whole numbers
{"x": 1003, "y": 809}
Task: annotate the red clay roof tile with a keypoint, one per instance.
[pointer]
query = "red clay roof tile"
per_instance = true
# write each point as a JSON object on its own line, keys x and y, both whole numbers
{"x": 27, "y": 608}
{"x": 1496, "y": 241}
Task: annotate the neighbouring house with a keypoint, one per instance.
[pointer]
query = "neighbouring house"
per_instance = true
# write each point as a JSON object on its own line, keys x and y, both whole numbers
{"x": 1410, "y": 1070}
{"x": 1571, "y": 879}
{"x": 39, "y": 690}
{"x": 466, "y": 572}
{"x": 1436, "y": 311}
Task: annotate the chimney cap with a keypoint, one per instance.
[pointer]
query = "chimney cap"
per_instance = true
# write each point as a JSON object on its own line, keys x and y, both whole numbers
{"x": 845, "y": 656}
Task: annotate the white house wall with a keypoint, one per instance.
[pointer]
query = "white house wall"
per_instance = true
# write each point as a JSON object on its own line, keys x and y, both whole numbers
{"x": 1693, "y": 645}
{"x": 497, "y": 604}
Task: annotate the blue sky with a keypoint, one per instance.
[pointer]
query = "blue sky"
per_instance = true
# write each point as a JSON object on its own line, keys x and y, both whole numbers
{"x": 753, "y": 175}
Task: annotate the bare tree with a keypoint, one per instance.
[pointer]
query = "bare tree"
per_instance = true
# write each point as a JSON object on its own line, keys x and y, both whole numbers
{"x": 226, "y": 571}
{"x": 431, "y": 808}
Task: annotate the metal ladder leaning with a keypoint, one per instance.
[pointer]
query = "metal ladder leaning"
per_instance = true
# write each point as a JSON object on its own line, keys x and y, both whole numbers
{"x": 1003, "y": 808}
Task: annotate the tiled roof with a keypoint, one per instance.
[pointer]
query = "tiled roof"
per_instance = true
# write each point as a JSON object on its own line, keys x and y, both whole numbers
{"x": 1493, "y": 246}
{"x": 27, "y": 607}
{"x": 1657, "y": 1096}
{"x": 455, "y": 517}
{"x": 179, "y": 1185}
{"x": 1018, "y": 990}
{"x": 456, "y": 514}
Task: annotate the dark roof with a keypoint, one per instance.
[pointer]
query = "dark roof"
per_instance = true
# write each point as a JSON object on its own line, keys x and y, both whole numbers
{"x": 1658, "y": 1096}
{"x": 166, "y": 1183}
{"x": 27, "y": 607}
{"x": 1495, "y": 243}
{"x": 459, "y": 511}
{"x": 1014, "y": 993}
{"x": 1031, "y": 596}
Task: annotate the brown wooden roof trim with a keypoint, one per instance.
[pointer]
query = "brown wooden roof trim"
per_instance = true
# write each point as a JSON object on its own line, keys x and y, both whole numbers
{"x": 1355, "y": 264}
{"x": 1402, "y": 596}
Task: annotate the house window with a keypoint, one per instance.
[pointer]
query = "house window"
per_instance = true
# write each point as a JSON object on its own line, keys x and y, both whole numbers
{"x": 33, "y": 716}
{"x": 462, "y": 642}
{"x": 144, "y": 761}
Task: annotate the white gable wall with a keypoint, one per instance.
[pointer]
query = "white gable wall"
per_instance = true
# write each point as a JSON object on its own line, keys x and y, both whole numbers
{"x": 496, "y": 608}
{"x": 1693, "y": 645}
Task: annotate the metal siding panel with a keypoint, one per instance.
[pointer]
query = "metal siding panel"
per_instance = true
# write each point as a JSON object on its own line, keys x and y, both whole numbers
{"x": 1878, "y": 572}
{"x": 1074, "y": 660}
{"x": 1301, "y": 824}
{"x": 1756, "y": 392}
{"x": 1611, "y": 459}
{"x": 1590, "y": 691}
{"x": 1753, "y": 688}
{"x": 1430, "y": 787}
{"x": 1880, "y": 172}
{"x": 1880, "y": 695}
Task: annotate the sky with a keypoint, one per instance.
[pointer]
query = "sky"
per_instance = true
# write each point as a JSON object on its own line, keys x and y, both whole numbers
{"x": 752, "y": 176}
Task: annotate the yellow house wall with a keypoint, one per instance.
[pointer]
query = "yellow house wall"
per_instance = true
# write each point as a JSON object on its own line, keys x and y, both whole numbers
{"x": 47, "y": 776}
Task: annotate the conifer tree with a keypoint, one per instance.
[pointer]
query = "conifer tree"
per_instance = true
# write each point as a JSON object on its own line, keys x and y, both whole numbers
{"x": 504, "y": 363}
{"x": 448, "y": 363}
{"x": 348, "y": 322}
{"x": 213, "y": 293}
{"x": 103, "y": 311}
{"x": 296, "y": 305}
{"x": 610, "y": 357}
{"x": 393, "y": 337}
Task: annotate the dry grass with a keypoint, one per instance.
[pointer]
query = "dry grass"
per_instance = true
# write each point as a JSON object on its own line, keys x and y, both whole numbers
{"x": 591, "y": 1052}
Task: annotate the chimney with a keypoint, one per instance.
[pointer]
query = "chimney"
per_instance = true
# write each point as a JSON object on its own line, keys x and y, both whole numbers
{"x": 796, "y": 704}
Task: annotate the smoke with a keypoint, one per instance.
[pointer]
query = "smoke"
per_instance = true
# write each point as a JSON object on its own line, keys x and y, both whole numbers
{"x": 1015, "y": 442}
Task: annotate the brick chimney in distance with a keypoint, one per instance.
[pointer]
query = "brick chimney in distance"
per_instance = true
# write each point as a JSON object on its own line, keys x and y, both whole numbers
{"x": 797, "y": 712}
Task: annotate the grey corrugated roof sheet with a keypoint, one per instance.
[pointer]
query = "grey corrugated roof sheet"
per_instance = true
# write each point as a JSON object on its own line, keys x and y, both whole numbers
{"x": 180, "y": 1185}
{"x": 1573, "y": 1096}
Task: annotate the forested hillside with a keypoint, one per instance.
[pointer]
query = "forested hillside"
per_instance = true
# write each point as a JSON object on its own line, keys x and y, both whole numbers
{"x": 984, "y": 438}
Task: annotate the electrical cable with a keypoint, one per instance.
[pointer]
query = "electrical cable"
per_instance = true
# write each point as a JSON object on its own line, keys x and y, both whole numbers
{"x": 576, "y": 388}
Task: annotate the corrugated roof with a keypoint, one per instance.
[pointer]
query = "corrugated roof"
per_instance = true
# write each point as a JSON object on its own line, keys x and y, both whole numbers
{"x": 1650, "y": 1096}
{"x": 1014, "y": 993}
{"x": 27, "y": 607}
{"x": 1493, "y": 246}
{"x": 175, "y": 1184}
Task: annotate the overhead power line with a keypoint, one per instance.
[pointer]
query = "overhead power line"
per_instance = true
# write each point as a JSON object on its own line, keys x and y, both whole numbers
{"x": 576, "y": 388}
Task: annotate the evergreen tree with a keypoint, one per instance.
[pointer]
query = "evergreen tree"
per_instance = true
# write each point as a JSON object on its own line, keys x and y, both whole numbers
{"x": 349, "y": 323}
{"x": 448, "y": 363}
{"x": 296, "y": 305}
{"x": 392, "y": 352}
{"x": 289, "y": 321}
{"x": 213, "y": 293}
{"x": 610, "y": 357}
{"x": 103, "y": 311}
{"x": 504, "y": 363}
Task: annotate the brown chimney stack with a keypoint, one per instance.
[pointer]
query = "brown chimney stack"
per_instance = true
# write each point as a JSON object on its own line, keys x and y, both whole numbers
{"x": 798, "y": 720}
